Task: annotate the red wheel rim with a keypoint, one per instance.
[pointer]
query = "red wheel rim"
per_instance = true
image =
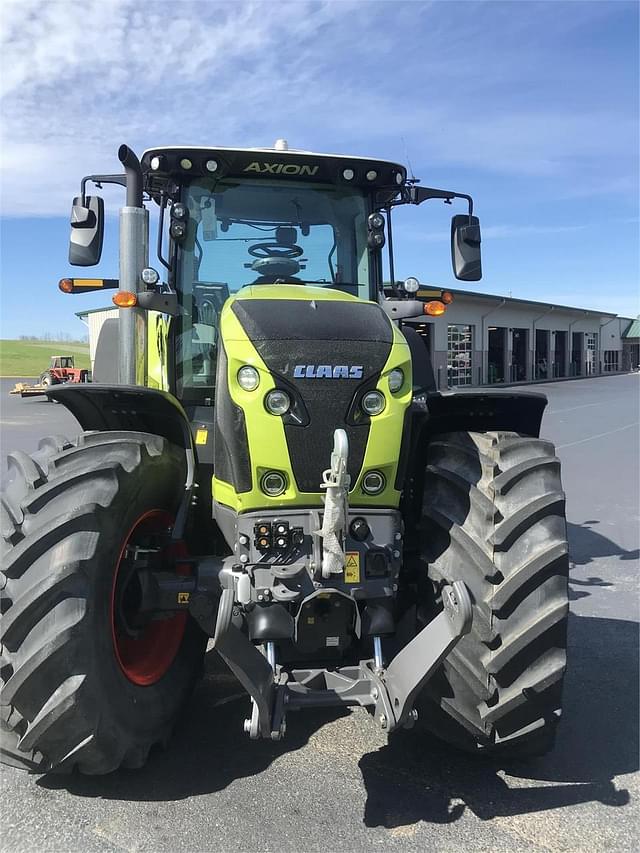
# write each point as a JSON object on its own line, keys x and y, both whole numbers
{"x": 146, "y": 658}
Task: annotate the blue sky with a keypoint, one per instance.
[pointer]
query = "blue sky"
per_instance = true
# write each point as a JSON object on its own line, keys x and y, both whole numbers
{"x": 531, "y": 107}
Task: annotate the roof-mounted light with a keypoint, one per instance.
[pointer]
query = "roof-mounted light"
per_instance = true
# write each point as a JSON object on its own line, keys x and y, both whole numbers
{"x": 348, "y": 174}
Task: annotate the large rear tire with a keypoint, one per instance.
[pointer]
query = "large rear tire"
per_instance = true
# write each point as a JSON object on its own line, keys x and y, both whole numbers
{"x": 77, "y": 689}
{"x": 493, "y": 517}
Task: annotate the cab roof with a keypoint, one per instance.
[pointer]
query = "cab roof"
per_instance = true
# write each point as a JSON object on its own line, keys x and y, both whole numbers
{"x": 181, "y": 162}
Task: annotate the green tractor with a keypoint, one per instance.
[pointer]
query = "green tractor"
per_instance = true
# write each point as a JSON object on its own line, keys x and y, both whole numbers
{"x": 267, "y": 467}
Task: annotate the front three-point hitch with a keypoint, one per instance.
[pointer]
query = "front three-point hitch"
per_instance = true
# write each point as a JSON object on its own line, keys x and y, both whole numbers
{"x": 213, "y": 594}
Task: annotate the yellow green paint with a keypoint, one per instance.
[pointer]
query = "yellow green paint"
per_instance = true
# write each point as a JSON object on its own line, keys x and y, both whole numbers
{"x": 265, "y": 432}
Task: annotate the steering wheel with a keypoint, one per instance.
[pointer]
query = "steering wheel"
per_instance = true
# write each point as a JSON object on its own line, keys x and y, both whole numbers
{"x": 275, "y": 250}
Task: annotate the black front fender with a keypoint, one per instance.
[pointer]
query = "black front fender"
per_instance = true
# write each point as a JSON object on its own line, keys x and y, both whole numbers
{"x": 108, "y": 408}
{"x": 126, "y": 407}
{"x": 479, "y": 411}
{"x": 433, "y": 414}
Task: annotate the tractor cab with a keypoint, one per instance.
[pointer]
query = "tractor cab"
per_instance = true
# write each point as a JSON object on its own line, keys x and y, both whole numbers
{"x": 265, "y": 216}
{"x": 61, "y": 362}
{"x": 232, "y": 218}
{"x": 259, "y": 217}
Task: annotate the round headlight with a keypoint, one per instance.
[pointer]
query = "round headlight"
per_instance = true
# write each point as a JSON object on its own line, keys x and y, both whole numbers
{"x": 376, "y": 221}
{"x": 277, "y": 402}
{"x": 348, "y": 174}
{"x": 373, "y": 483}
{"x": 411, "y": 285}
{"x": 248, "y": 378}
{"x": 149, "y": 275}
{"x": 399, "y": 178}
{"x": 179, "y": 211}
{"x": 211, "y": 165}
{"x": 273, "y": 483}
{"x": 396, "y": 380}
{"x": 155, "y": 163}
{"x": 178, "y": 230}
{"x": 373, "y": 403}
{"x": 185, "y": 163}
{"x": 372, "y": 175}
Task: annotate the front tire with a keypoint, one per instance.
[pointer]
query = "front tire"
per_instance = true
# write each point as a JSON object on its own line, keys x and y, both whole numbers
{"x": 76, "y": 690}
{"x": 493, "y": 517}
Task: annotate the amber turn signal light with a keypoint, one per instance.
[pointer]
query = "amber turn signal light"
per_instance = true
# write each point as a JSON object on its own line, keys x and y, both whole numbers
{"x": 124, "y": 299}
{"x": 66, "y": 285}
{"x": 447, "y": 297}
{"x": 434, "y": 308}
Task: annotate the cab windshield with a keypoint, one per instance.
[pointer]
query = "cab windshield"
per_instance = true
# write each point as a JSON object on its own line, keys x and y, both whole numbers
{"x": 243, "y": 233}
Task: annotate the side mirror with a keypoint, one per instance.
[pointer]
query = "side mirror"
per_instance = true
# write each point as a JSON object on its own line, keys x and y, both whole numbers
{"x": 87, "y": 231}
{"x": 465, "y": 248}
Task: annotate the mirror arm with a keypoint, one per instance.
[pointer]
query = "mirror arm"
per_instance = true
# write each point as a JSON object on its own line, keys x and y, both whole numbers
{"x": 419, "y": 194}
{"x": 98, "y": 180}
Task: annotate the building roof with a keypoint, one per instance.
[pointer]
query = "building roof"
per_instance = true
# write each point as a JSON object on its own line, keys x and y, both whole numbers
{"x": 516, "y": 300}
{"x": 82, "y": 314}
{"x": 633, "y": 330}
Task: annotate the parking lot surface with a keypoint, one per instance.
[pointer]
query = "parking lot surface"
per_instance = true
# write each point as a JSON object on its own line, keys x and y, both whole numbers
{"x": 336, "y": 782}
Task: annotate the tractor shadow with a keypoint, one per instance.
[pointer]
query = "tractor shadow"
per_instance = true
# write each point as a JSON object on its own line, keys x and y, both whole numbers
{"x": 431, "y": 782}
{"x": 207, "y": 752}
{"x": 586, "y": 545}
{"x": 597, "y": 741}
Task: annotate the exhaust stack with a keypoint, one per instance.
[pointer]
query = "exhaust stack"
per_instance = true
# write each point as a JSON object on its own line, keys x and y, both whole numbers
{"x": 134, "y": 257}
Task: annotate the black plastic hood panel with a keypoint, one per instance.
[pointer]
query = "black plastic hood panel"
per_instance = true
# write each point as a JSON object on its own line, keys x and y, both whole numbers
{"x": 324, "y": 353}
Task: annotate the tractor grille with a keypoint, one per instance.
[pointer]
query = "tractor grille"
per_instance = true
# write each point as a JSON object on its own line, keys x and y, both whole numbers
{"x": 294, "y": 333}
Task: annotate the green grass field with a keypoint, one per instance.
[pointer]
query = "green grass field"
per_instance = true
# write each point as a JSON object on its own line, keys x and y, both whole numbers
{"x": 31, "y": 358}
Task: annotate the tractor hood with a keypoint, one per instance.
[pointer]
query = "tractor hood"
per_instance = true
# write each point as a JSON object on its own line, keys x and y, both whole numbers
{"x": 326, "y": 349}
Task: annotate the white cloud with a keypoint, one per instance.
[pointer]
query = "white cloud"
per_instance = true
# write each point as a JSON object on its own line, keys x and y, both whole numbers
{"x": 79, "y": 79}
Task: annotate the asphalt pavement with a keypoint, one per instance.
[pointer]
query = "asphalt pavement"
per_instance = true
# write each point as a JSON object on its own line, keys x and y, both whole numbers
{"x": 337, "y": 783}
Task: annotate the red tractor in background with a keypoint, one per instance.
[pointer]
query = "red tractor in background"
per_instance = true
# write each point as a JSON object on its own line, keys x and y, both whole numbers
{"x": 62, "y": 369}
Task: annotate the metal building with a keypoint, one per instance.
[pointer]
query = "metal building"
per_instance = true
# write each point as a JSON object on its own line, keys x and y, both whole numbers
{"x": 489, "y": 340}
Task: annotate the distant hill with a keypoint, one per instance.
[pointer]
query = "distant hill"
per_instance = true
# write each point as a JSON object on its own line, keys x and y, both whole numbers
{"x": 31, "y": 358}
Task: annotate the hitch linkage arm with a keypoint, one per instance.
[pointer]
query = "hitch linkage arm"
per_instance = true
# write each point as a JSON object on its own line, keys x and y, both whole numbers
{"x": 412, "y": 667}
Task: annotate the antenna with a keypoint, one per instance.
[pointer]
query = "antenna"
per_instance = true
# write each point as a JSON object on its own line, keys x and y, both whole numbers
{"x": 406, "y": 155}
